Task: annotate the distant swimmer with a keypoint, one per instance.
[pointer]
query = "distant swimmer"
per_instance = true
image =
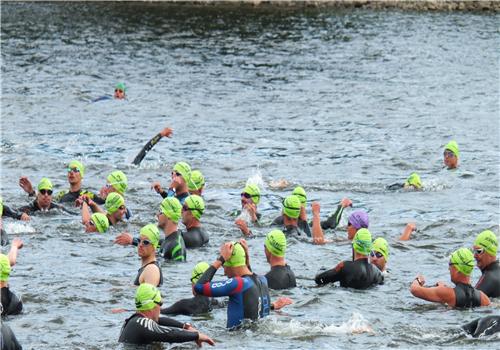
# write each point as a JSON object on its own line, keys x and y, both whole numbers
{"x": 281, "y": 275}
{"x": 173, "y": 246}
{"x": 43, "y": 201}
{"x": 463, "y": 295}
{"x": 250, "y": 198}
{"x": 451, "y": 154}
{"x": 483, "y": 326}
{"x": 178, "y": 188}
{"x": 197, "y": 305}
{"x": 114, "y": 204}
{"x": 10, "y": 213}
{"x": 380, "y": 254}
{"x": 166, "y": 132}
{"x": 192, "y": 210}
{"x": 146, "y": 326}
{"x": 302, "y": 223}
{"x": 119, "y": 94}
{"x": 11, "y": 303}
{"x": 359, "y": 273}
{"x": 485, "y": 253}
{"x": 197, "y": 183}
{"x": 413, "y": 182}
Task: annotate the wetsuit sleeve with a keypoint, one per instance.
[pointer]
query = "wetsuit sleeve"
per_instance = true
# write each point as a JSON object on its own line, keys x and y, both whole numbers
{"x": 170, "y": 322}
{"x": 333, "y": 220}
{"x": 147, "y": 147}
{"x": 9, "y": 213}
{"x": 99, "y": 200}
{"x": 329, "y": 276}
{"x": 229, "y": 287}
{"x": 207, "y": 275}
{"x": 153, "y": 331}
{"x": 181, "y": 307}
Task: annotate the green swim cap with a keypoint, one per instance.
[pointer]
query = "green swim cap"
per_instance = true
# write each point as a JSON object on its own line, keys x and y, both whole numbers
{"x": 4, "y": 268}
{"x": 238, "y": 258}
{"x": 276, "y": 243}
{"x": 488, "y": 240}
{"x": 171, "y": 208}
{"x": 184, "y": 169}
{"x": 147, "y": 297}
{"x": 121, "y": 86}
{"x": 362, "y": 242}
{"x": 78, "y": 165}
{"x": 463, "y": 260}
{"x": 118, "y": 180}
{"x": 100, "y": 221}
{"x": 414, "y": 180}
{"x": 380, "y": 245}
{"x": 196, "y": 205}
{"x": 254, "y": 192}
{"x": 1, "y": 206}
{"x": 291, "y": 206}
{"x": 151, "y": 231}
{"x": 197, "y": 181}
{"x": 301, "y": 193}
{"x": 198, "y": 271}
{"x": 113, "y": 202}
{"x": 452, "y": 146}
{"x": 45, "y": 184}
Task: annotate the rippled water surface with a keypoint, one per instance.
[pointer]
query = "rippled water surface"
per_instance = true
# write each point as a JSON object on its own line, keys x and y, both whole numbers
{"x": 342, "y": 102}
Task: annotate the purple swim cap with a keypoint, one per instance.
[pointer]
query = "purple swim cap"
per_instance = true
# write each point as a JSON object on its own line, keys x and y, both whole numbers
{"x": 359, "y": 219}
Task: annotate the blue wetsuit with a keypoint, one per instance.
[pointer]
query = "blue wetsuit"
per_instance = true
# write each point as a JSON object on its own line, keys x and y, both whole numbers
{"x": 248, "y": 295}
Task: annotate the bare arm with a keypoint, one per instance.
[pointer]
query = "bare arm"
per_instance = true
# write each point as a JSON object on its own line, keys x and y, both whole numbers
{"x": 441, "y": 293}
{"x": 409, "y": 228}
{"x": 14, "y": 248}
{"x": 317, "y": 231}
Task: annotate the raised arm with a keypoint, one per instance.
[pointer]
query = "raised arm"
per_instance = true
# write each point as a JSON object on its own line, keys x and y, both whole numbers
{"x": 17, "y": 244}
{"x": 408, "y": 230}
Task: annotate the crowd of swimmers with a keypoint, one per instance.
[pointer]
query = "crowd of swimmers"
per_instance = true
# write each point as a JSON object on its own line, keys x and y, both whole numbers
{"x": 247, "y": 292}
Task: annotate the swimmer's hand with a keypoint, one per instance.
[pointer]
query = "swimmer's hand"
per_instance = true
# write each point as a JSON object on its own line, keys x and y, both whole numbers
{"x": 17, "y": 242}
{"x": 408, "y": 230}
{"x": 226, "y": 250}
{"x": 203, "y": 338}
{"x": 242, "y": 225}
{"x": 244, "y": 244}
{"x": 25, "y": 217}
{"x": 251, "y": 208}
{"x": 167, "y": 132}
{"x": 26, "y": 185}
{"x": 157, "y": 187}
{"x": 281, "y": 302}
{"x": 346, "y": 202}
{"x": 84, "y": 199}
{"x": 124, "y": 238}
{"x": 303, "y": 213}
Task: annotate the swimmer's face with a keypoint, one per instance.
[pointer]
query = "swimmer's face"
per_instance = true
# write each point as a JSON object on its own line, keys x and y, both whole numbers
{"x": 187, "y": 216}
{"x": 74, "y": 176}
{"x": 162, "y": 220}
{"x": 144, "y": 250}
{"x": 481, "y": 257}
{"x": 119, "y": 94}
{"x": 44, "y": 198}
{"x": 351, "y": 231}
{"x": 450, "y": 160}
{"x": 105, "y": 190}
{"x": 377, "y": 260}
{"x": 118, "y": 215}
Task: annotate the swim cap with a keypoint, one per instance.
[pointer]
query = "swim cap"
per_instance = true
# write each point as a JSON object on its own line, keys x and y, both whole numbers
{"x": 380, "y": 245}
{"x": 358, "y": 219}
{"x": 78, "y": 165}
{"x": 171, "y": 208}
{"x": 118, "y": 180}
{"x": 184, "y": 169}
{"x": 414, "y": 180}
{"x": 100, "y": 221}
{"x": 45, "y": 184}
{"x": 301, "y": 193}
{"x": 238, "y": 258}
{"x": 196, "y": 205}
{"x": 487, "y": 240}
{"x": 362, "y": 242}
{"x": 151, "y": 231}
{"x": 198, "y": 271}
{"x": 197, "y": 181}
{"x": 452, "y": 146}
{"x": 121, "y": 86}
{"x": 291, "y": 206}
{"x": 463, "y": 260}
{"x": 147, "y": 297}
{"x": 113, "y": 202}
{"x": 1, "y": 206}
{"x": 254, "y": 192}
{"x": 276, "y": 243}
{"x": 4, "y": 268}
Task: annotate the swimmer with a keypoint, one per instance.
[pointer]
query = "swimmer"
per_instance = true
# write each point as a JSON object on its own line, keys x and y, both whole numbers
{"x": 115, "y": 207}
{"x": 413, "y": 182}
{"x": 303, "y": 225}
{"x": 97, "y": 222}
{"x": 146, "y": 326}
{"x": 380, "y": 254}
{"x": 11, "y": 303}
{"x": 173, "y": 247}
{"x": 451, "y": 154}
{"x": 463, "y": 295}
{"x": 485, "y": 253}
{"x": 281, "y": 275}
{"x": 192, "y": 210}
{"x": 120, "y": 90}
{"x": 166, "y": 132}
{"x": 178, "y": 188}
{"x": 43, "y": 201}
{"x": 196, "y": 184}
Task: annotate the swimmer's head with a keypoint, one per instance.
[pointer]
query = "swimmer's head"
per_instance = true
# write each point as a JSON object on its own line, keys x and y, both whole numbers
{"x": 451, "y": 154}
{"x": 198, "y": 271}
{"x": 120, "y": 90}
{"x": 301, "y": 193}
{"x": 238, "y": 257}
{"x": 171, "y": 208}
{"x": 45, "y": 184}
{"x": 362, "y": 242}
{"x": 114, "y": 201}
{"x": 276, "y": 243}
{"x": 4, "y": 268}
{"x": 119, "y": 181}
{"x": 147, "y": 297}
{"x": 76, "y": 167}
{"x": 197, "y": 181}
{"x": 152, "y": 233}
{"x": 413, "y": 180}
{"x": 195, "y": 205}
{"x": 463, "y": 260}
{"x": 292, "y": 206}
{"x": 100, "y": 222}
{"x": 184, "y": 170}
{"x": 488, "y": 241}
{"x": 252, "y": 191}
{"x": 358, "y": 219}
{"x": 380, "y": 245}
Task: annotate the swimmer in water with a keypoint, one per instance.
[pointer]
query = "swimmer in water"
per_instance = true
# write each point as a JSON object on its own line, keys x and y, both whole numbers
{"x": 485, "y": 253}
{"x": 451, "y": 154}
{"x": 11, "y": 303}
{"x": 178, "y": 188}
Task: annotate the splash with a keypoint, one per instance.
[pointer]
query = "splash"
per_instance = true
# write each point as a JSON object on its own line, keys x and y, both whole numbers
{"x": 18, "y": 227}
{"x": 256, "y": 179}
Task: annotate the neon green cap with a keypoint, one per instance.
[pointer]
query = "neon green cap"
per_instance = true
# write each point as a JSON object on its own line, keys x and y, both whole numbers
{"x": 121, "y": 86}
{"x": 100, "y": 221}
{"x": 78, "y": 165}
{"x": 171, "y": 208}
{"x": 463, "y": 260}
{"x": 4, "y": 268}
{"x": 147, "y": 297}
{"x": 254, "y": 192}
{"x": 1, "y": 206}
{"x": 291, "y": 206}
{"x": 276, "y": 243}
{"x": 301, "y": 193}
{"x": 453, "y": 146}
{"x": 118, "y": 180}
{"x": 45, "y": 184}
{"x": 197, "y": 181}
{"x": 113, "y": 202}
{"x": 488, "y": 240}
{"x": 414, "y": 180}
{"x": 184, "y": 169}
{"x": 362, "y": 241}
{"x": 198, "y": 271}
{"x": 151, "y": 231}
{"x": 380, "y": 245}
{"x": 196, "y": 205}
{"x": 238, "y": 257}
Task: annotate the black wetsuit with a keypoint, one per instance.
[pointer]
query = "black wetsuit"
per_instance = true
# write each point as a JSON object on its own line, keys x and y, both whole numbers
{"x": 359, "y": 274}
{"x": 11, "y": 304}
{"x": 489, "y": 283}
{"x": 71, "y": 197}
{"x": 333, "y": 220}
{"x": 303, "y": 225}
{"x": 147, "y": 147}
{"x": 483, "y": 326}
{"x": 197, "y": 305}
{"x": 8, "y": 340}
{"x": 173, "y": 247}
{"x": 294, "y": 231}
{"x": 33, "y": 208}
{"x": 139, "y": 272}
{"x": 141, "y": 330}
{"x": 281, "y": 277}
{"x": 195, "y": 237}
{"x": 466, "y": 296}
{"x": 9, "y": 213}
